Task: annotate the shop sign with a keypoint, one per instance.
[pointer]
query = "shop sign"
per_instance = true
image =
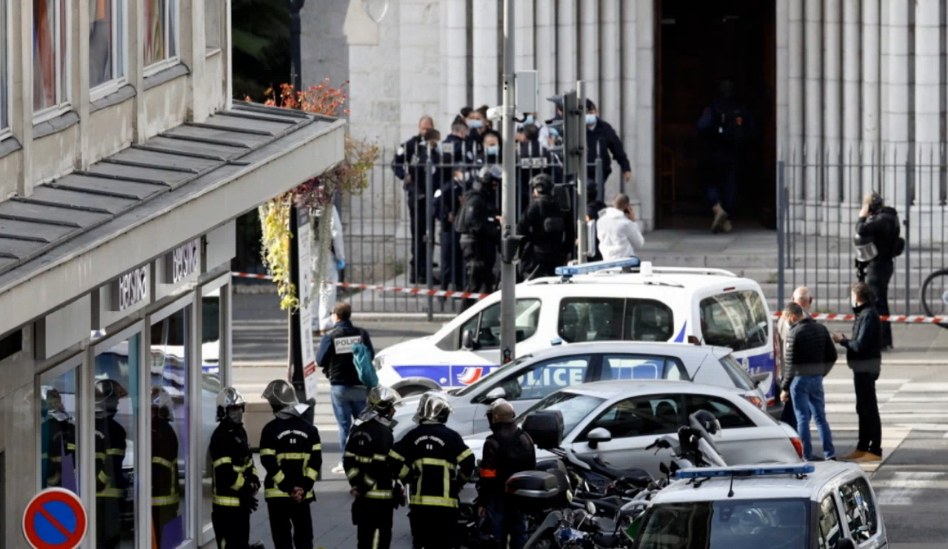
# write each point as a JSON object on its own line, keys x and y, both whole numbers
{"x": 183, "y": 261}
{"x": 130, "y": 289}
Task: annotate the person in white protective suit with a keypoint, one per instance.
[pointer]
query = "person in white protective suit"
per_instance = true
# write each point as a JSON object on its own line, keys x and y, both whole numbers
{"x": 324, "y": 300}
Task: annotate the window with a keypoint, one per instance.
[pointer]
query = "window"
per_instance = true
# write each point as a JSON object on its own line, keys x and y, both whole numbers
{"x": 859, "y": 510}
{"x": 116, "y": 425}
{"x": 726, "y": 413}
{"x": 4, "y": 68}
{"x": 50, "y": 54}
{"x": 643, "y": 416}
{"x": 161, "y": 30}
{"x": 647, "y": 320}
{"x": 170, "y": 419}
{"x": 642, "y": 367}
{"x": 829, "y": 524}
{"x": 486, "y": 325}
{"x": 546, "y": 377}
{"x": 210, "y": 386}
{"x": 737, "y": 320}
{"x": 737, "y": 373}
{"x": 574, "y": 407}
{"x": 590, "y": 319}
{"x": 106, "y": 41}
{"x": 58, "y": 441}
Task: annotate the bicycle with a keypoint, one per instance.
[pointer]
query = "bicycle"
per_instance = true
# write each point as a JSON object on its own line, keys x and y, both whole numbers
{"x": 936, "y": 280}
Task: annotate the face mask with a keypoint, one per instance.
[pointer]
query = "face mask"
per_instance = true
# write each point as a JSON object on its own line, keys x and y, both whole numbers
{"x": 554, "y": 132}
{"x": 493, "y": 149}
{"x": 590, "y": 119}
{"x": 474, "y": 124}
{"x": 855, "y": 305}
{"x": 528, "y": 121}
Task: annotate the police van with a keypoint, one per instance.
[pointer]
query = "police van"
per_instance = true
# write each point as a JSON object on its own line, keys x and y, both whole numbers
{"x": 625, "y": 300}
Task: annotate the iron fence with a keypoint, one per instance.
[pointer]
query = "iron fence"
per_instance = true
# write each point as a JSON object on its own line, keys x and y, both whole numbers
{"x": 819, "y": 197}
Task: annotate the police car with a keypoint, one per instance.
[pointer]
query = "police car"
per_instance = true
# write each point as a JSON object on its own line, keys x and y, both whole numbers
{"x": 825, "y": 505}
{"x": 603, "y": 301}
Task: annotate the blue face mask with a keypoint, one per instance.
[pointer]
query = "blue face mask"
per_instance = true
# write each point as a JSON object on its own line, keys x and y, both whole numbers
{"x": 493, "y": 149}
{"x": 474, "y": 124}
{"x": 554, "y": 132}
{"x": 528, "y": 121}
{"x": 591, "y": 119}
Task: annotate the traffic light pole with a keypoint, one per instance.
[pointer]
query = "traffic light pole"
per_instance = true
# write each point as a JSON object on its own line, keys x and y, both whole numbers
{"x": 508, "y": 273}
{"x": 581, "y": 176}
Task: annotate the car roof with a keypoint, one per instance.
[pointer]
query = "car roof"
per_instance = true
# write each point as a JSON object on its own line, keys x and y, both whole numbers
{"x": 684, "y": 351}
{"x": 669, "y": 277}
{"x": 762, "y": 487}
{"x": 619, "y": 388}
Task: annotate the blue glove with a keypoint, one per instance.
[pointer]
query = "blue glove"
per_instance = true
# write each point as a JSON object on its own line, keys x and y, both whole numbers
{"x": 340, "y": 264}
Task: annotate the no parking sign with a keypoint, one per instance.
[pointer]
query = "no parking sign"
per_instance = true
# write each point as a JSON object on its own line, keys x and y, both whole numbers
{"x": 54, "y": 519}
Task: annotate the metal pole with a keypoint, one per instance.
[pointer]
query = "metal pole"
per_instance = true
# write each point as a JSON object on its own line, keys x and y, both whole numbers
{"x": 296, "y": 336}
{"x": 781, "y": 275}
{"x": 296, "y": 71}
{"x": 429, "y": 232}
{"x": 909, "y": 173}
{"x": 581, "y": 179}
{"x": 508, "y": 273}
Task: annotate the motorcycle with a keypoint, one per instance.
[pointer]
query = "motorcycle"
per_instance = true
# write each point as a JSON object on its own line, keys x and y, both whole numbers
{"x": 693, "y": 446}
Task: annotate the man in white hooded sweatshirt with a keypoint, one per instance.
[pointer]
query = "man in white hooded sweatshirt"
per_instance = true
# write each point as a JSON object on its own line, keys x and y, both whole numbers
{"x": 619, "y": 235}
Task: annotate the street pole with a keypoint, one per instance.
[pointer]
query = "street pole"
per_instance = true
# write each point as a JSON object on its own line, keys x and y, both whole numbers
{"x": 296, "y": 72}
{"x": 581, "y": 179}
{"x": 508, "y": 274}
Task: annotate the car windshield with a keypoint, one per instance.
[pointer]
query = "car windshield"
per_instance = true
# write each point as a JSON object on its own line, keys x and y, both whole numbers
{"x": 574, "y": 407}
{"x": 737, "y": 373}
{"x": 730, "y": 524}
{"x": 492, "y": 376}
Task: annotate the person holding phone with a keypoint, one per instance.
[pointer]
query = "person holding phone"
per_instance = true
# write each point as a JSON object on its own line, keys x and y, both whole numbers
{"x": 618, "y": 233}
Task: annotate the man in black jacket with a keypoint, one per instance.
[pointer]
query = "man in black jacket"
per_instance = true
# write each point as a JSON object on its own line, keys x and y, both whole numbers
{"x": 335, "y": 357}
{"x": 809, "y": 355}
{"x": 864, "y": 356}
{"x": 601, "y": 140}
{"x": 507, "y": 451}
{"x": 879, "y": 224}
{"x": 547, "y": 232}
{"x": 478, "y": 223}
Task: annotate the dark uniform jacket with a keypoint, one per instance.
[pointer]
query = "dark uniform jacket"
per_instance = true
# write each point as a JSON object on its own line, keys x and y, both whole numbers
{"x": 367, "y": 460}
{"x": 809, "y": 351}
{"x": 884, "y": 230}
{"x": 164, "y": 464}
{"x": 109, "y": 455}
{"x": 603, "y": 140}
{"x": 406, "y": 155}
{"x": 291, "y": 452}
{"x": 547, "y": 228}
{"x": 479, "y": 220}
{"x": 234, "y": 471}
{"x": 436, "y": 462}
{"x": 448, "y": 200}
{"x": 864, "y": 349}
{"x": 507, "y": 451}
{"x": 60, "y": 442}
{"x": 335, "y": 353}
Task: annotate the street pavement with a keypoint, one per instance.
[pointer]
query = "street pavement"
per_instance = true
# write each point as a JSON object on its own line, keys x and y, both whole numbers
{"x": 911, "y": 484}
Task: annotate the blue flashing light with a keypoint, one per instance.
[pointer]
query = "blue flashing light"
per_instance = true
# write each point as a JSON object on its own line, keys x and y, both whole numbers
{"x": 742, "y": 472}
{"x": 596, "y": 266}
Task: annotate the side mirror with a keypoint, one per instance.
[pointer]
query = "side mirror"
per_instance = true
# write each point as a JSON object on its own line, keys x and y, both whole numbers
{"x": 845, "y": 543}
{"x": 597, "y": 435}
{"x": 495, "y": 394}
{"x": 467, "y": 340}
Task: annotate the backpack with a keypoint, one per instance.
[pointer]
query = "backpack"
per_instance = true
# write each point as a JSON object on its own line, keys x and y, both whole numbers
{"x": 364, "y": 367}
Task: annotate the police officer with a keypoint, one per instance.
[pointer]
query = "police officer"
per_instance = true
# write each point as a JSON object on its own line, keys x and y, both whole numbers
{"x": 446, "y": 204}
{"x": 408, "y": 165}
{"x": 164, "y": 463}
{"x": 234, "y": 480}
{"x": 291, "y": 453}
{"x": 456, "y": 149}
{"x": 109, "y": 454}
{"x": 478, "y": 223}
{"x": 367, "y": 463}
{"x": 436, "y": 462}
{"x": 877, "y": 244}
{"x": 508, "y": 450}
{"x": 533, "y": 160}
{"x": 59, "y": 440}
{"x": 601, "y": 140}
{"x": 547, "y": 232}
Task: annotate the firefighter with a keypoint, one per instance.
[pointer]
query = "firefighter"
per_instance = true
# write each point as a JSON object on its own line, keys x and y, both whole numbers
{"x": 366, "y": 460}
{"x": 291, "y": 453}
{"x": 436, "y": 462}
{"x": 109, "y": 454}
{"x": 59, "y": 441}
{"x": 235, "y": 481}
{"x": 164, "y": 463}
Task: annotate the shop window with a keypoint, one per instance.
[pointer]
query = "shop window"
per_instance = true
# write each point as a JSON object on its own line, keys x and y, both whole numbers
{"x": 106, "y": 42}
{"x": 170, "y": 417}
{"x": 210, "y": 387}
{"x": 50, "y": 55}
{"x": 161, "y": 30}
{"x": 116, "y": 426}
{"x": 58, "y": 441}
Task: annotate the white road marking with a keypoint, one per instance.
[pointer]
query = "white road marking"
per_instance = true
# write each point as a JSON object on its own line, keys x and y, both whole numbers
{"x": 905, "y": 486}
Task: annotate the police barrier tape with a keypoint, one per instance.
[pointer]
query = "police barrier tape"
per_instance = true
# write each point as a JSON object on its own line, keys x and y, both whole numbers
{"x": 830, "y": 317}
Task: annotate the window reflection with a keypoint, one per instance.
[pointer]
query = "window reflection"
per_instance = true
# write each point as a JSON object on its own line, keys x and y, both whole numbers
{"x": 58, "y": 432}
{"x": 210, "y": 387}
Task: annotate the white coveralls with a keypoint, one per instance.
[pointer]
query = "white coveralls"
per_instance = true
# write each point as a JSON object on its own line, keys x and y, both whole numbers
{"x": 325, "y": 299}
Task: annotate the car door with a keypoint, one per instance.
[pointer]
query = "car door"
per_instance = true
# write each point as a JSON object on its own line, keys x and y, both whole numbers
{"x": 634, "y": 423}
{"x": 860, "y": 513}
{"x": 536, "y": 381}
{"x": 485, "y": 328}
{"x": 830, "y": 527}
{"x": 740, "y": 441}
{"x": 638, "y": 366}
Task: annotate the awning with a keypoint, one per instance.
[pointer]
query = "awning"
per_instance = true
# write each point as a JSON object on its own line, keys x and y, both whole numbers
{"x": 80, "y": 231}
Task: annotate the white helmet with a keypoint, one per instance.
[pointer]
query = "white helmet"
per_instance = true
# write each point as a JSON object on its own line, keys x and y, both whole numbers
{"x": 433, "y": 408}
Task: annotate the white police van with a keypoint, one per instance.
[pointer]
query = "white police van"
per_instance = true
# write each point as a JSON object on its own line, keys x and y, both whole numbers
{"x": 825, "y": 505}
{"x": 621, "y": 300}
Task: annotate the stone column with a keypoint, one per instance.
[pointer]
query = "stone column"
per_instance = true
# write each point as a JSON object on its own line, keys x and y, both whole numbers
{"x": 546, "y": 55}
{"x": 486, "y": 54}
{"x": 870, "y": 92}
{"x": 456, "y": 56}
{"x": 645, "y": 146}
{"x": 609, "y": 95}
{"x": 783, "y": 78}
{"x": 851, "y": 100}
{"x": 628, "y": 88}
{"x": 525, "y": 60}
{"x": 832, "y": 100}
{"x": 813, "y": 70}
{"x": 566, "y": 45}
{"x": 896, "y": 106}
{"x": 795, "y": 98}
{"x": 928, "y": 86}
{"x": 589, "y": 47}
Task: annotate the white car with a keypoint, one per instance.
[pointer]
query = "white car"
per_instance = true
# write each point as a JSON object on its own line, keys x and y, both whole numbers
{"x": 533, "y": 377}
{"x": 829, "y": 505}
{"x": 601, "y": 302}
{"x": 618, "y": 419}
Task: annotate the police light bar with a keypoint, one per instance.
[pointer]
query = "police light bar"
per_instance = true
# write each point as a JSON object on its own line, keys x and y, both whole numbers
{"x": 596, "y": 266}
{"x": 773, "y": 470}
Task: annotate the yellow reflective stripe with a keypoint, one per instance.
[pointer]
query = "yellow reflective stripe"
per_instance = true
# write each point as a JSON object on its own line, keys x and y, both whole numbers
{"x": 317, "y": 447}
{"x": 115, "y": 452}
{"x": 395, "y": 455}
{"x": 239, "y": 483}
{"x": 311, "y": 473}
{"x": 110, "y": 493}
{"x": 275, "y": 493}
{"x": 404, "y": 472}
{"x": 103, "y": 478}
{"x": 163, "y": 461}
{"x": 226, "y": 501}
{"x": 267, "y": 452}
{"x": 241, "y": 468}
{"x": 464, "y": 454}
{"x": 100, "y": 455}
{"x": 291, "y": 456}
{"x": 70, "y": 446}
{"x": 379, "y": 457}
{"x": 433, "y": 501}
{"x": 221, "y": 461}
{"x": 370, "y": 481}
{"x": 56, "y": 459}
{"x": 165, "y": 500}
{"x": 278, "y": 478}
{"x": 360, "y": 459}
{"x": 352, "y": 473}
{"x": 379, "y": 494}
{"x": 437, "y": 462}
{"x": 54, "y": 480}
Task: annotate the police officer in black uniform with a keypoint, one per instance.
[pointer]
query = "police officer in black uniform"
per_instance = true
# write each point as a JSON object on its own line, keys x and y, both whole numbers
{"x": 235, "y": 481}
{"x": 508, "y": 450}
{"x": 446, "y": 204}
{"x": 291, "y": 452}
{"x": 110, "y": 447}
{"x": 367, "y": 460}
{"x": 165, "y": 500}
{"x": 547, "y": 231}
{"x": 409, "y": 166}
{"x": 878, "y": 243}
{"x": 533, "y": 160}
{"x": 603, "y": 142}
{"x": 480, "y": 230}
{"x": 59, "y": 440}
{"x": 434, "y": 460}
